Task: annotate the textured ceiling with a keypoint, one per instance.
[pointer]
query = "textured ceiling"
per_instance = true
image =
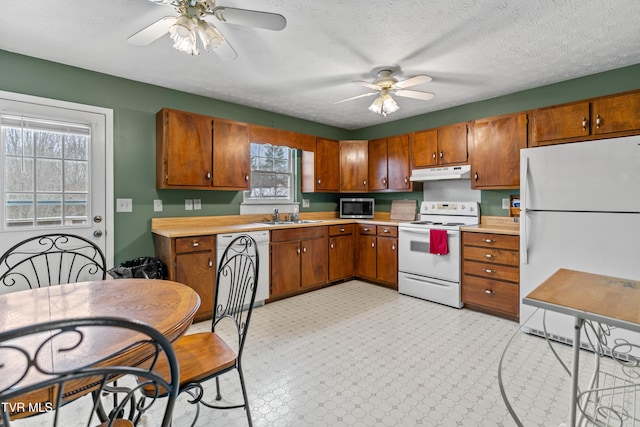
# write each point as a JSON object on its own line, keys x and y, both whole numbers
{"x": 473, "y": 49}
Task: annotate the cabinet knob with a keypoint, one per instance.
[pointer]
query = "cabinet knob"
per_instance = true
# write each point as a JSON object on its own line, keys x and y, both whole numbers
{"x": 406, "y": 179}
{"x": 366, "y": 229}
{"x": 393, "y": 247}
{"x": 434, "y": 155}
{"x": 386, "y": 230}
{"x": 364, "y": 183}
{"x": 246, "y": 178}
{"x": 210, "y": 263}
{"x": 489, "y": 292}
{"x": 342, "y": 230}
{"x": 373, "y": 245}
{"x": 490, "y": 241}
{"x": 195, "y": 244}
{"x": 488, "y": 256}
{"x": 489, "y": 271}
{"x": 331, "y": 246}
{"x": 304, "y": 250}
{"x": 208, "y": 175}
{"x": 441, "y": 154}
{"x": 319, "y": 181}
{"x": 584, "y": 123}
{"x": 298, "y": 251}
{"x": 384, "y": 181}
{"x": 475, "y": 176}
{"x": 598, "y": 121}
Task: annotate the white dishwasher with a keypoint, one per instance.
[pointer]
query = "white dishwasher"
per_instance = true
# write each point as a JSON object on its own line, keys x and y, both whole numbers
{"x": 262, "y": 240}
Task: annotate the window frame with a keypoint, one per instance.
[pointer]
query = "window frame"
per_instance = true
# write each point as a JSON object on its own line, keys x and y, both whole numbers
{"x": 292, "y": 173}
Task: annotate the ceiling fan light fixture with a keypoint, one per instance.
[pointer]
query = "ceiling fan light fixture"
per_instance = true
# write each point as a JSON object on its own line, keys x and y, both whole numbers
{"x": 182, "y": 33}
{"x": 376, "y": 106}
{"x": 389, "y": 105}
{"x": 209, "y": 35}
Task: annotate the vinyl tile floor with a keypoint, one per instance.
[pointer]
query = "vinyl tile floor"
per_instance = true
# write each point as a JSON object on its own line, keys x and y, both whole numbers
{"x": 357, "y": 354}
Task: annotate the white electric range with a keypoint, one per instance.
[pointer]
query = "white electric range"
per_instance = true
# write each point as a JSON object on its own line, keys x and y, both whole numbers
{"x": 427, "y": 275}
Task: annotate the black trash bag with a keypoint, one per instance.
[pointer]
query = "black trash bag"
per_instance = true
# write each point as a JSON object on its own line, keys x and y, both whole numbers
{"x": 143, "y": 267}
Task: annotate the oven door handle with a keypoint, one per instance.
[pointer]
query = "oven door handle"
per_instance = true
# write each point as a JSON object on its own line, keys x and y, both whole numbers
{"x": 425, "y": 232}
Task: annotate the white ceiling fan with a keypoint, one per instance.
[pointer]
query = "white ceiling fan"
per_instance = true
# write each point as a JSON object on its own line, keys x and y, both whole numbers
{"x": 385, "y": 85}
{"x": 191, "y": 21}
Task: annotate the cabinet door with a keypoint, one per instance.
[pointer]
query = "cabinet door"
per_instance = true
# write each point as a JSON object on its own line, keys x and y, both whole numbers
{"x": 616, "y": 114}
{"x": 184, "y": 149}
{"x": 378, "y": 164}
{"x": 556, "y": 123}
{"x": 424, "y": 149}
{"x": 367, "y": 257}
{"x": 197, "y": 270}
{"x": 398, "y": 163}
{"x": 495, "y": 151}
{"x": 327, "y": 165}
{"x": 231, "y": 159}
{"x": 341, "y": 257}
{"x": 285, "y": 268}
{"x": 452, "y": 144}
{"x": 387, "y": 260}
{"x": 314, "y": 262}
{"x": 354, "y": 166}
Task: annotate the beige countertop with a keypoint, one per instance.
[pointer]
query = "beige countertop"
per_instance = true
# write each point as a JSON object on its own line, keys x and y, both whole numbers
{"x": 495, "y": 224}
{"x": 204, "y": 225}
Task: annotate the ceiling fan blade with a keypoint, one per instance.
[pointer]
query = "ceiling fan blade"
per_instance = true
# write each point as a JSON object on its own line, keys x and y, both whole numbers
{"x": 250, "y": 18}
{"x": 153, "y": 32}
{"x": 367, "y": 84}
{"x": 415, "y": 80}
{"x": 356, "y": 97}
{"x": 425, "y": 96}
{"x": 226, "y": 52}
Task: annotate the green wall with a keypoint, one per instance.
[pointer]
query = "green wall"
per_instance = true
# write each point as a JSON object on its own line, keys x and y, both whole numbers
{"x": 135, "y": 105}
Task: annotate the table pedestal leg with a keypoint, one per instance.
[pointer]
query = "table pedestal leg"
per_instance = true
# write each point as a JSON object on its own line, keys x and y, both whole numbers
{"x": 573, "y": 400}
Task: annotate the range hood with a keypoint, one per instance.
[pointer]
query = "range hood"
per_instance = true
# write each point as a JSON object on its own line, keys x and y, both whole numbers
{"x": 437, "y": 174}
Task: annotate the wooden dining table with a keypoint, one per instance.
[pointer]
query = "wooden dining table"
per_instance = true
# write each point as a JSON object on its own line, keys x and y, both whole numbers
{"x": 167, "y": 306}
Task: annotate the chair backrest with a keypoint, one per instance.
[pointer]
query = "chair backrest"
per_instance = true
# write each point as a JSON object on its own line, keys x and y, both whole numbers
{"x": 50, "y": 259}
{"x": 236, "y": 286}
{"x": 89, "y": 355}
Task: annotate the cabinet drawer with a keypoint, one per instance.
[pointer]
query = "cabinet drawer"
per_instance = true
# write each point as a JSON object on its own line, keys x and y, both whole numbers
{"x": 498, "y": 256}
{"x": 300, "y": 233}
{"x": 491, "y": 293}
{"x": 491, "y": 240}
{"x": 193, "y": 244}
{"x": 491, "y": 271}
{"x": 384, "y": 230}
{"x": 366, "y": 229}
{"x": 337, "y": 230}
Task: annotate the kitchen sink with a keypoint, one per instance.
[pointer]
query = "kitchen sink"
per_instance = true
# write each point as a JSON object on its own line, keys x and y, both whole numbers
{"x": 285, "y": 222}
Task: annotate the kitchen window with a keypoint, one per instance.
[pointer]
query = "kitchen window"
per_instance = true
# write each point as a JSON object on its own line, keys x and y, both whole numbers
{"x": 272, "y": 174}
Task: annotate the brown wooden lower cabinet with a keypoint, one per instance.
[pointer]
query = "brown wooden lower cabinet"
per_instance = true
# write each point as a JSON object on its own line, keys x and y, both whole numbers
{"x": 491, "y": 273}
{"x": 377, "y": 252}
{"x": 341, "y": 252}
{"x": 192, "y": 261}
{"x": 299, "y": 259}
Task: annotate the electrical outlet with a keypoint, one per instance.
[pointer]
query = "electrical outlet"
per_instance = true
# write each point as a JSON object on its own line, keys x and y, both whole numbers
{"x": 505, "y": 203}
{"x": 157, "y": 205}
{"x": 306, "y": 203}
{"x": 188, "y": 204}
{"x": 124, "y": 205}
{"x": 197, "y": 204}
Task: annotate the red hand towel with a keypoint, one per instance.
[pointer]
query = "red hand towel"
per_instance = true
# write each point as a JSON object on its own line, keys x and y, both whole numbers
{"x": 438, "y": 242}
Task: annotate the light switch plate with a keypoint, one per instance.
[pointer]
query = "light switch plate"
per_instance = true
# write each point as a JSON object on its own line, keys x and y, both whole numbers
{"x": 305, "y": 203}
{"x": 505, "y": 203}
{"x": 188, "y": 204}
{"x": 124, "y": 205}
{"x": 157, "y": 205}
{"x": 197, "y": 204}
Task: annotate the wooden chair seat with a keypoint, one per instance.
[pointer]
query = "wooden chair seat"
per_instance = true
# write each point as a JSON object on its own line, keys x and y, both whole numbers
{"x": 201, "y": 356}
{"x": 118, "y": 423}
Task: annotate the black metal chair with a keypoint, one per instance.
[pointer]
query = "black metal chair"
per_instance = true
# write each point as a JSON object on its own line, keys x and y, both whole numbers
{"x": 89, "y": 354}
{"x": 51, "y": 259}
{"x": 207, "y": 355}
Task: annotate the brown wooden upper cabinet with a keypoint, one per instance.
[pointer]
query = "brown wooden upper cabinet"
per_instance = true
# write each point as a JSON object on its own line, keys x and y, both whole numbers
{"x": 617, "y": 115}
{"x": 354, "y": 168}
{"x": 495, "y": 151}
{"x": 201, "y": 152}
{"x": 441, "y": 146}
{"x": 327, "y": 165}
{"x": 389, "y": 168}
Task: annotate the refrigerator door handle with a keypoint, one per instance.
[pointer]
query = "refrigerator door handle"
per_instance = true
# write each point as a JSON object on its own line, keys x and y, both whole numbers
{"x": 523, "y": 213}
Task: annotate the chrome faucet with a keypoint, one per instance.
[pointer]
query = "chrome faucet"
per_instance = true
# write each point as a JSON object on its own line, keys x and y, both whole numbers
{"x": 276, "y": 215}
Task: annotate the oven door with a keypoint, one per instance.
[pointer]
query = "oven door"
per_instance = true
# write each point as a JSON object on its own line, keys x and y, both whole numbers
{"x": 414, "y": 256}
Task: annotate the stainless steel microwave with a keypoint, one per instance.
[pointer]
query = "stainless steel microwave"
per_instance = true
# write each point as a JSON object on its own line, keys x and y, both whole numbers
{"x": 357, "y": 208}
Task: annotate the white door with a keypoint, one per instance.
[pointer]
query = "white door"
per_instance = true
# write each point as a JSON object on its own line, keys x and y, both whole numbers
{"x": 55, "y": 170}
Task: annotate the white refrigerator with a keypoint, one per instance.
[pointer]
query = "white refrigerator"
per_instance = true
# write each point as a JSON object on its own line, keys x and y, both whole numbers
{"x": 580, "y": 209}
